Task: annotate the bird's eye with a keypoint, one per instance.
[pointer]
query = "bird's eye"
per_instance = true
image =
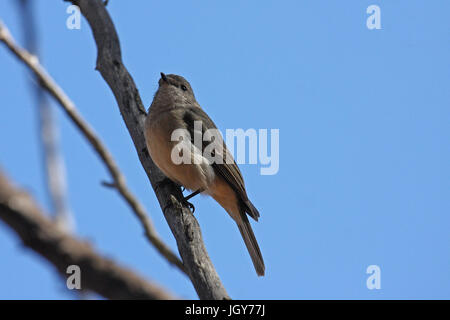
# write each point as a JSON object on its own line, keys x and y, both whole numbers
{"x": 183, "y": 87}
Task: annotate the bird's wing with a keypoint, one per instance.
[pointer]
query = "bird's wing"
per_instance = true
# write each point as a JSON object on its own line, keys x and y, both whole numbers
{"x": 228, "y": 171}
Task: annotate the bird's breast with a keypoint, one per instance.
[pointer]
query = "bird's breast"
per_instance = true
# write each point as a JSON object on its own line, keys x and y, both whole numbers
{"x": 163, "y": 151}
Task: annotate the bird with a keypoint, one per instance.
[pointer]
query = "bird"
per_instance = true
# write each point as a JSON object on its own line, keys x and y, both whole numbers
{"x": 174, "y": 107}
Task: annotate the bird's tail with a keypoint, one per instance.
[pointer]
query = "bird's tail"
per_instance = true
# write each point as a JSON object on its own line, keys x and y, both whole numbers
{"x": 251, "y": 244}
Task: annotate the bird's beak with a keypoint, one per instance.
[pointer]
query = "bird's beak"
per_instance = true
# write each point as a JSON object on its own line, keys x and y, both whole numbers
{"x": 163, "y": 76}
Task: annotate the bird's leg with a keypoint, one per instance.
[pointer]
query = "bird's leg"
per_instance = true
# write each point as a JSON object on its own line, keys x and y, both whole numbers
{"x": 193, "y": 194}
{"x": 184, "y": 201}
{"x": 180, "y": 189}
{"x": 189, "y": 205}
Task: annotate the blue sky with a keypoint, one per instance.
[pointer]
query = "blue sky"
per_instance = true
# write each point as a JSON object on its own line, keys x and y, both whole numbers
{"x": 363, "y": 116}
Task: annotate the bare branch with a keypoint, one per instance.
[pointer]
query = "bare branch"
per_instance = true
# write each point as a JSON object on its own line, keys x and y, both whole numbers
{"x": 69, "y": 107}
{"x": 42, "y": 235}
{"x": 53, "y": 161}
{"x": 183, "y": 224}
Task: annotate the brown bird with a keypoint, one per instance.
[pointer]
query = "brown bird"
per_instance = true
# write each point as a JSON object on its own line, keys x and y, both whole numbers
{"x": 175, "y": 110}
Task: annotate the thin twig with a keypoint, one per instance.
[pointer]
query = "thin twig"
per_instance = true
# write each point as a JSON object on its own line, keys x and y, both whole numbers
{"x": 53, "y": 162}
{"x": 69, "y": 107}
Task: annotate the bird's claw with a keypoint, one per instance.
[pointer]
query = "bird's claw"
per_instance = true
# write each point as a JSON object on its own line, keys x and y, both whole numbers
{"x": 189, "y": 205}
{"x": 184, "y": 201}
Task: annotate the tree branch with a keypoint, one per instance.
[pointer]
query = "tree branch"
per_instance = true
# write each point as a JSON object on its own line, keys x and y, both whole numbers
{"x": 183, "y": 224}
{"x": 69, "y": 107}
{"x": 42, "y": 235}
